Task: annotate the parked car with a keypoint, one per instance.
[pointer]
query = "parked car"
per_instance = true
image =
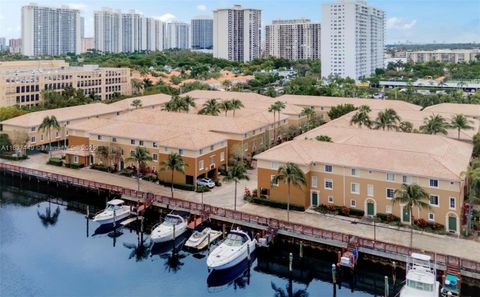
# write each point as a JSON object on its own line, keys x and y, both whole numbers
{"x": 206, "y": 182}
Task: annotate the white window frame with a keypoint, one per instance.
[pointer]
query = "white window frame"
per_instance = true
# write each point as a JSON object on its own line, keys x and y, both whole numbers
{"x": 201, "y": 165}
{"x": 75, "y": 159}
{"x": 114, "y": 139}
{"x": 33, "y": 139}
{"x": 454, "y": 203}
{"x": 271, "y": 180}
{"x": 386, "y": 193}
{"x": 275, "y": 165}
{"x": 431, "y": 217}
{"x": 314, "y": 181}
{"x": 390, "y": 176}
{"x": 330, "y": 199}
{"x": 222, "y": 156}
{"x": 325, "y": 183}
{"x": 57, "y": 134}
{"x": 353, "y": 203}
{"x": 354, "y": 172}
{"x": 430, "y": 201}
{"x": 358, "y": 188}
{"x": 430, "y": 183}
{"x": 406, "y": 179}
{"x": 328, "y": 166}
{"x": 181, "y": 152}
{"x": 370, "y": 190}
{"x": 154, "y": 157}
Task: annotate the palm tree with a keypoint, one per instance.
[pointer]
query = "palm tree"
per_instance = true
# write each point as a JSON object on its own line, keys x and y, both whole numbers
{"x": 187, "y": 103}
{"x": 173, "y": 163}
{"x": 49, "y": 123}
{"x": 137, "y": 103}
{"x": 361, "y": 117}
{"x": 140, "y": 156}
{"x": 412, "y": 195}
{"x": 236, "y": 173}
{"x": 472, "y": 177}
{"x": 434, "y": 124}
{"x": 387, "y": 119}
{"x": 292, "y": 175}
{"x": 103, "y": 153}
{"x": 309, "y": 112}
{"x": 236, "y": 104}
{"x": 274, "y": 108}
{"x": 405, "y": 126}
{"x": 460, "y": 122}
{"x": 137, "y": 86}
{"x": 210, "y": 107}
{"x": 226, "y": 106}
{"x": 324, "y": 138}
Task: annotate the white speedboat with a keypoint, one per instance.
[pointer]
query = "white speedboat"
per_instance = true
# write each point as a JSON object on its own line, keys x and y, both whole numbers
{"x": 115, "y": 210}
{"x": 421, "y": 279}
{"x": 237, "y": 247}
{"x": 199, "y": 239}
{"x": 164, "y": 232}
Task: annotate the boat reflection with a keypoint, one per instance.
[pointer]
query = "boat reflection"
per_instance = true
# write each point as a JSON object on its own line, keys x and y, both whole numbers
{"x": 49, "y": 218}
{"x": 237, "y": 276}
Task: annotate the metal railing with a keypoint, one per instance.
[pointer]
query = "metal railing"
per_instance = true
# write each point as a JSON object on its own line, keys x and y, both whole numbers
{"x": 295, "y": 228}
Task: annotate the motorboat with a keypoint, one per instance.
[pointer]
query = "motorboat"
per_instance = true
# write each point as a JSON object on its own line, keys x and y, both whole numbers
{"x": 199, "y": 239}
{"x": 115, "y": 211}
{"x": 421, "y": 279}
{"x": 451, "y": 285}
{"x": 234, "y": 249}
{"x": 165, "y": 231}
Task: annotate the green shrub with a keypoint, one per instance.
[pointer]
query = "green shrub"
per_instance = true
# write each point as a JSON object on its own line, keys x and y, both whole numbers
{"x": 276, "y": 204}
{"x": 127, "y": 173}
{"x": 100, "y": 167}
{"x": 74, "y": 165}
{"x": 382, "y": 216}
{"x": 178, "y": 186}
{"x": 12, "y": 157}
{"x": 202, "y": 189}
{"x": 55, "y": 161}
{"x": 357, "y": 212}
{"x": 150, "y": 177}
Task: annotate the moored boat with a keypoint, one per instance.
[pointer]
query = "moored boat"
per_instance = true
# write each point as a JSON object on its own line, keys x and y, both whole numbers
{"x": 199, "y": 239}
{"x": 115, "y": 211}
{"x": 421, "y": 279}
{"x": 173, "y": 226}
{"x": 234, "y": 249}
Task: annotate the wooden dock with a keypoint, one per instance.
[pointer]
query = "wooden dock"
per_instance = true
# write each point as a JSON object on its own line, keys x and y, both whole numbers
{"x": 367, "y": 246}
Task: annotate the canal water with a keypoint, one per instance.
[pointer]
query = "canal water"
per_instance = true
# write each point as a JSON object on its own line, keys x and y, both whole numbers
{"x": 48, "y": 248}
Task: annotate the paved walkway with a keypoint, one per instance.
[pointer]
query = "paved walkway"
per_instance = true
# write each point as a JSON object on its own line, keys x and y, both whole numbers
{"x": 223, "y": 197}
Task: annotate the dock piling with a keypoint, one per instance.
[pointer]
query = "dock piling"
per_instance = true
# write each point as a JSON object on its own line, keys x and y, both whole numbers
{"x": 208, "y": 238}
{"x": 290, "y": 262}
{"x": 223, "y": 230}
{"x": 301, "y": 248}
{"x": 386, "y": 287}
{"x": 248, "y": 252}
{"x": 114, "y": 218}
{"x": 334, "y": 274}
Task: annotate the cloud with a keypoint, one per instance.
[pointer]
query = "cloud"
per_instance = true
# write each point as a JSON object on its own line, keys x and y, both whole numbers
{"x": 167, "y": 17}
{"x": 400, "y": 24}
{"x": 202, "y": 7}
{"x": 79, "y": 6}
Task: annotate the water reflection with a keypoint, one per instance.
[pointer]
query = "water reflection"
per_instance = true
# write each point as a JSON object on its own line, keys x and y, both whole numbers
{"x": 49, "y": 218}
{"x": 288, "y": 291}
{"x": 237, "y": 276}
{"x": 141, "y": 250}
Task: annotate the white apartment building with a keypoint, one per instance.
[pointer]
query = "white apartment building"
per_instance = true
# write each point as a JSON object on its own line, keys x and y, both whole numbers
{"x": 177, "y": 35}
{"x": 353, "y": 38}
{"x": 108, "y": 30}
{"x": 237, "y": 33}
{"x": 202, "y": 33}
{"x": 50, "y": 31}
{"x": 293, "y": 39}
{"x": 444, "y": 55}
{"x": 134, "y": 33}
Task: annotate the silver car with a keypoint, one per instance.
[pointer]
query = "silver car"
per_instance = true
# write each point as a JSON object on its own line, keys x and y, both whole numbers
{"x": 206, "y": 182}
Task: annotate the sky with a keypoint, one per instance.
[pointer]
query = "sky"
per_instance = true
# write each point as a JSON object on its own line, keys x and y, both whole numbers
{"x": 415, "y": 21}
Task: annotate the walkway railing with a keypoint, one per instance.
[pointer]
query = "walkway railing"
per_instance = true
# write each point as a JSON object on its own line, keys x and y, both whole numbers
{"x": 294, "y": 228}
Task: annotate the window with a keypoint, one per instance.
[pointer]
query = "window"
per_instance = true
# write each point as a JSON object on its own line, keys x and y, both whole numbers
{"x": 200, "y": 151}
{"x": 155, "y": 157}
{"x": 328, "y": 168}
{"x": 314, "y": 181}
{"x": 433, "y": 183}
{"x": 132, "y": 141}
{"x": 274, "y": 165}
{"x": 32, "y": 140}
{"x": 272, "y": 178}
{"x": 154, "y": 144}
{"x": 328, "y": 184}
{"x": 353, "y": 203}
{"x": 354, "y": 172}
{"x": 390, "y": 193}
{"x": 57, "y": 134}
{"x": 212, "y": 147}
{"x": 451, "y": 203}
{"x": 141, "y": 142}
{"x": 212, "y": 160}
{"x": 431, "y": 216}
{"x": 33, "y": 129}
{"x": 390, "y": 176}
{"x": 99, "y": 137}
{"x": 406, "y": 179}
{"x": 114, "y": 139}
{"x": 388, "y": 209}
{"x": 180, "y": 152}
{"x": 355, "y": 188}
{"x": 200, "y": 165}
{"x": 330, "y": 199}
{"x": 75, "y": 159}
{"x": 222, "y": 156}
{"x": 132, "y": 153}
{"x": 370, "y": 190}
{"x": 434, "y": 200}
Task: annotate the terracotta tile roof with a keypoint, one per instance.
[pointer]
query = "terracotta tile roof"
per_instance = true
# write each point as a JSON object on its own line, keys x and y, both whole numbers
{"x": 147, "y": 101}
{"x": 471, "y": 110}
{"x": 62, "y": 114}
{"x": 448, "y": 166}
{"x": 326, "y": 101}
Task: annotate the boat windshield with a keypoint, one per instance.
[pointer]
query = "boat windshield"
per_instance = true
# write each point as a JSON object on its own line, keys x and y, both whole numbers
{"x": 420, "y": 286}
{"x": 235, "y": 240}
{"x": 114, "y": 207}
{"x": 170, "y": 221}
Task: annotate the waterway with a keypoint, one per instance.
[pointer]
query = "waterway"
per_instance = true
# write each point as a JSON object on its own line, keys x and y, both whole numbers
{"x": 48, "y": 248}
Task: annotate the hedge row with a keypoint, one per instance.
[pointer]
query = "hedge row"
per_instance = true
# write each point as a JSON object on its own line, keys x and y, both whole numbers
{"x": 55, "y": 161}
{"x": 276, "y": 204}
{"x": 11, "y": 157}
{"x": 74, "y": 165}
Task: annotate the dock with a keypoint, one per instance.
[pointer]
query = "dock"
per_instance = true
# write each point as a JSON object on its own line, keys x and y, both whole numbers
{"x": 395, "y": 252}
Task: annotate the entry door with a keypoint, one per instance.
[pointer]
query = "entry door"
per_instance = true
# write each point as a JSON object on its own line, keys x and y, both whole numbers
{"x": 406, "y": 215}
{"x": 452, "y": 224}
{"x": 370, "y": 209}
{"x": 314, "y": 199}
